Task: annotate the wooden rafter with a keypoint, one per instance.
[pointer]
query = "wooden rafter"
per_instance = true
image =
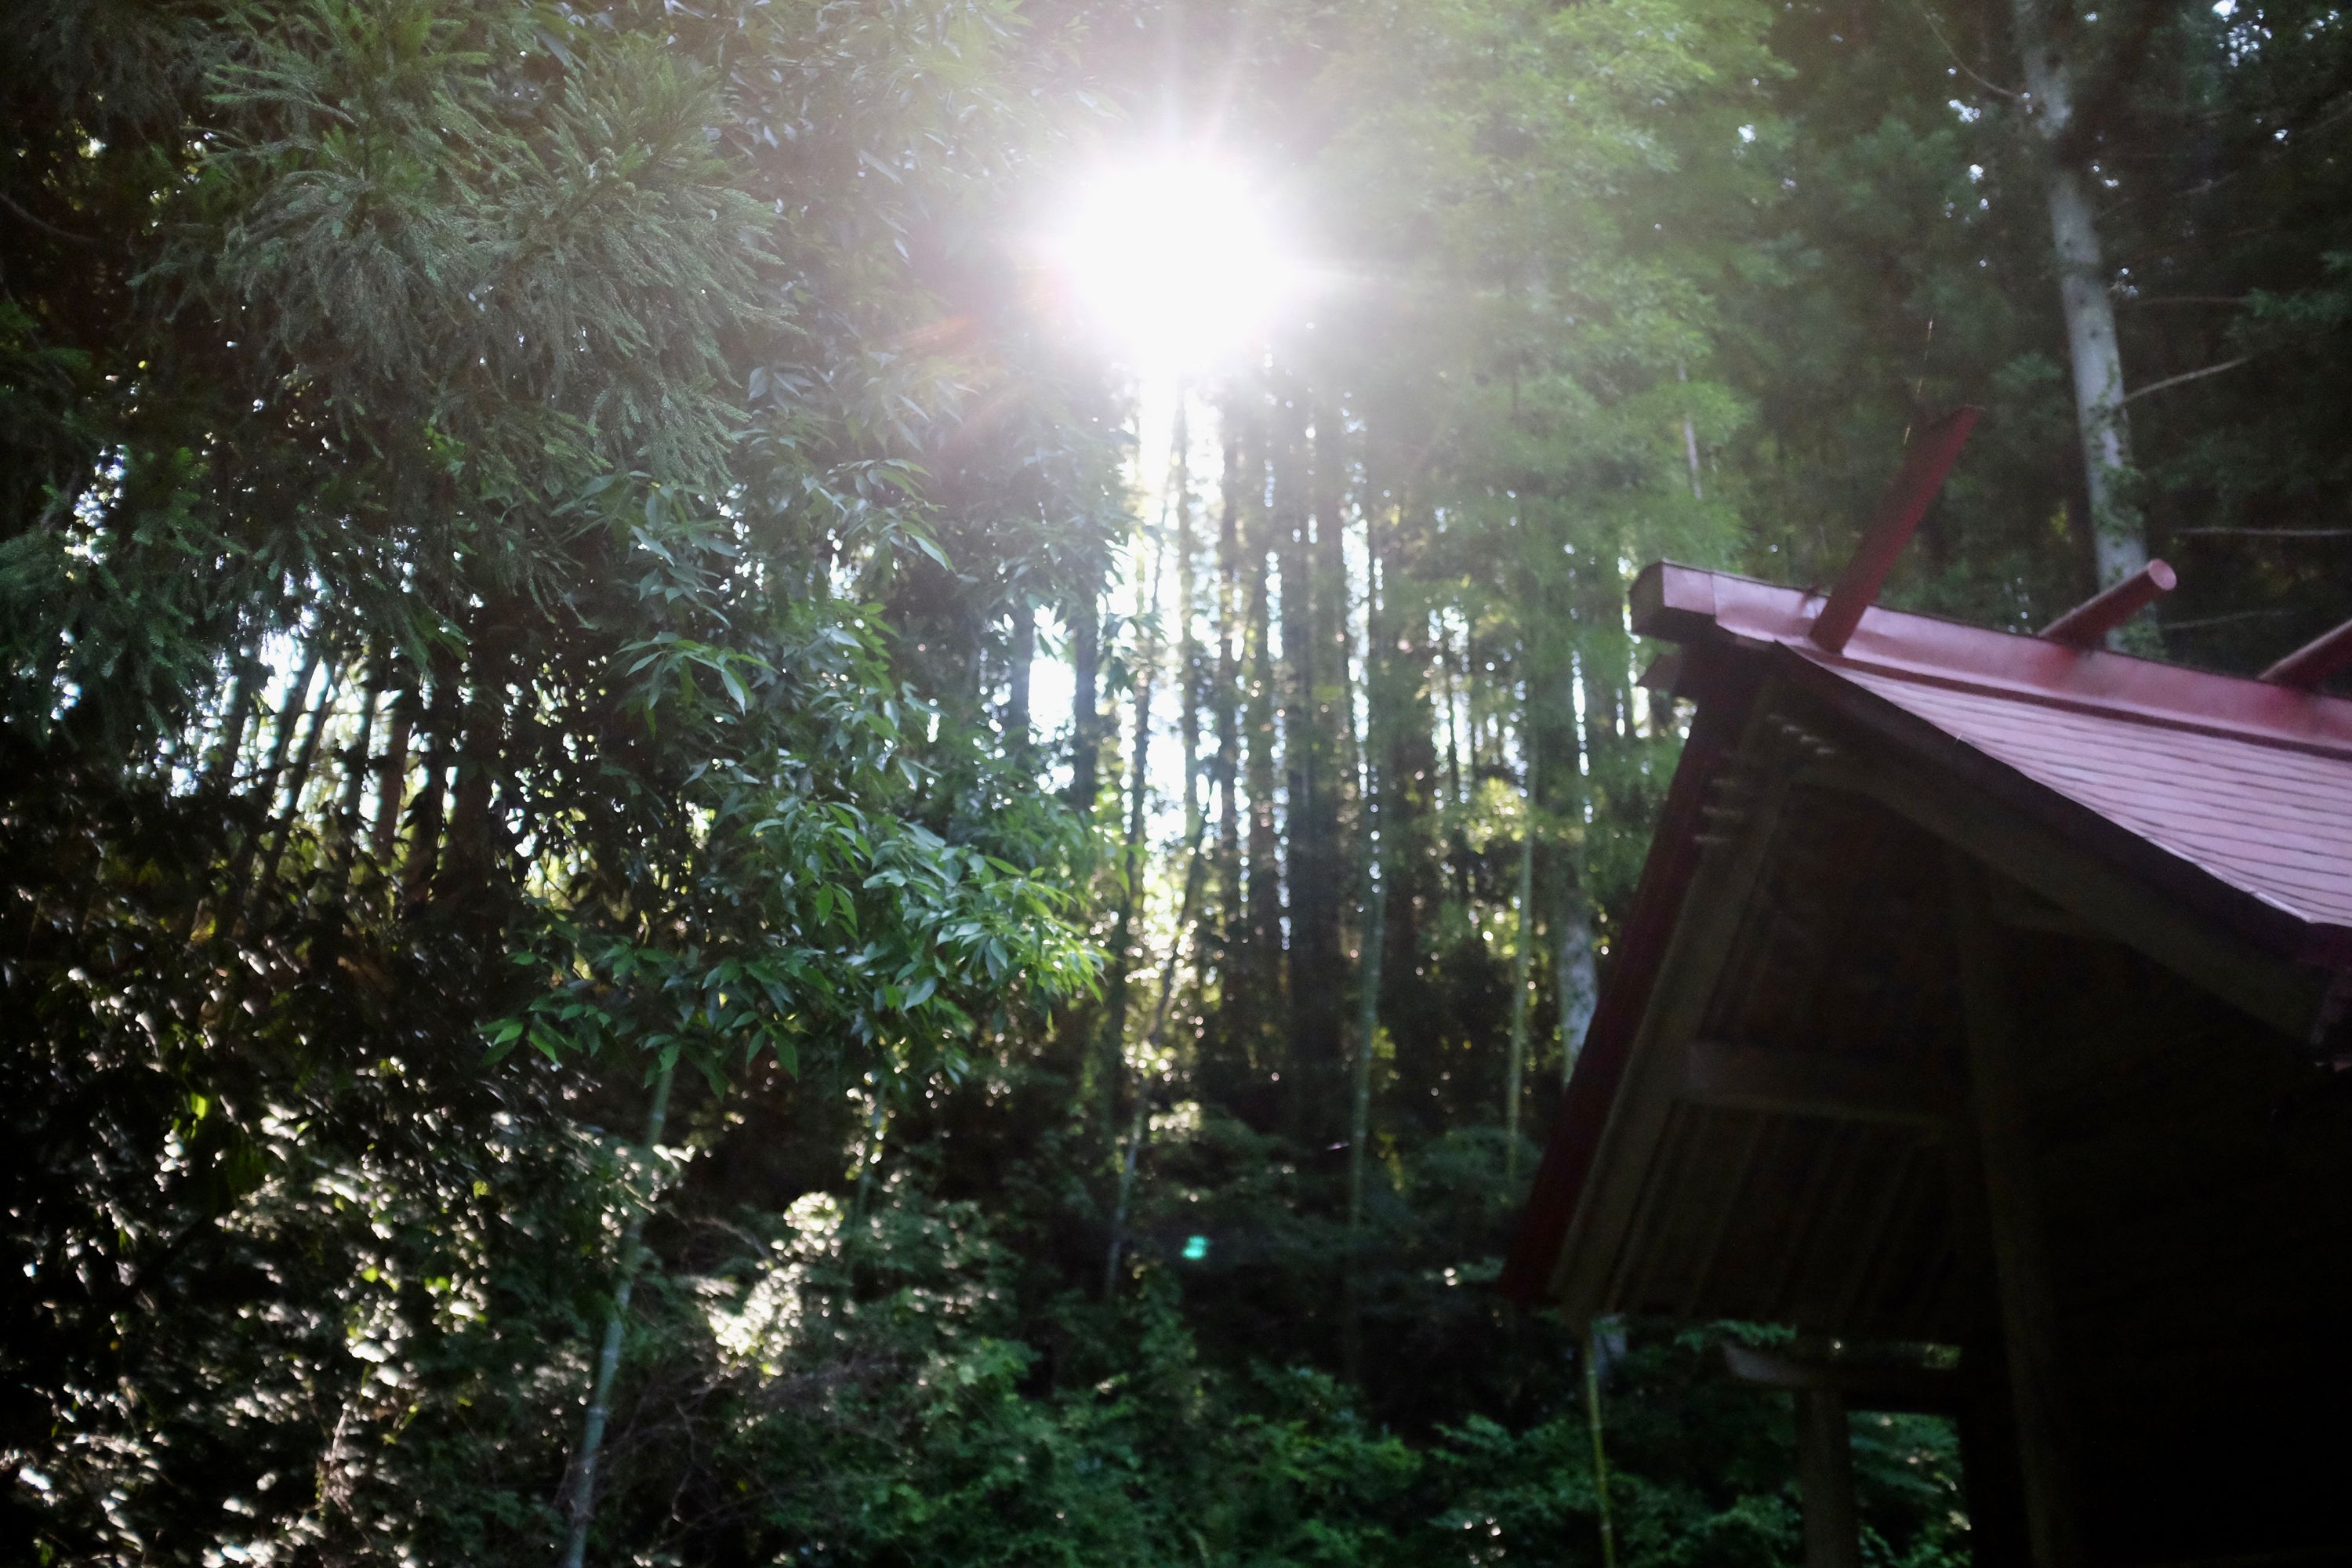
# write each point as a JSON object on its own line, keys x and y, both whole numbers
{"x": 1893, "y": 1090}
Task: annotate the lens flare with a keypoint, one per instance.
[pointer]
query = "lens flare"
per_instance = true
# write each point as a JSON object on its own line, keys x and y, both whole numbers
{"x": 1177, "y": 261}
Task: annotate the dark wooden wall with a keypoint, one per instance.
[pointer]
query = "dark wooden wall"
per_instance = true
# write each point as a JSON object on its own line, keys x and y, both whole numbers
{"x": 2195, "y": 1174}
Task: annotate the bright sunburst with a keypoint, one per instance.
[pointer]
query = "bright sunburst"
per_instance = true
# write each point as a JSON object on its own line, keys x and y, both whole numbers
{"x": 1177, "y": 261}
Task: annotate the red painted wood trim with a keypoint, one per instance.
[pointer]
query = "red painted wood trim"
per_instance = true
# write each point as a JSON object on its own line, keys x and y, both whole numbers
{"x": 1906, "y": 501}
{"x": 1689, "y": 602}
{"x": 2088, "y": 623}
{"x": 2314, "y": 661}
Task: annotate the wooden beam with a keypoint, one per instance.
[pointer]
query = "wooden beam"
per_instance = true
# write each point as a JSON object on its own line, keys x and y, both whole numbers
{"x": 2314, "y": 661}
{"x": 1825, "y": 1481}
{"x": 1835, "y": 1087}
{"x": 1990, "y": 1480}
{"x": 2088, "y": 623}
{"x": 2019, "y": 908}
{"x": 1863, "y": 1384}
{"x": 2021, "y": 1247}
{"x": 1906, "y": 501}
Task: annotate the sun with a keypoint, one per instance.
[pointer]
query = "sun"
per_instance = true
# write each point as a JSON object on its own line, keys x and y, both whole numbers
{"x": 1178, "y": 261}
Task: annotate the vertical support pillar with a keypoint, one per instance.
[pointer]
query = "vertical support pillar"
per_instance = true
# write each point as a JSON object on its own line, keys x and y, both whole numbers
{"x": 1998, "y": 1534}
{"x": 1825, "y": 1481}
{"x": 2012, "y": 1212}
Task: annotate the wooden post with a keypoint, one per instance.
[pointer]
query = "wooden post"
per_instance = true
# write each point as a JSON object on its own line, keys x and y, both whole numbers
{"x": 1825, "y": 1479}
{"x": 2012, "y": 1213}
{"x": 1998, "y": 1534}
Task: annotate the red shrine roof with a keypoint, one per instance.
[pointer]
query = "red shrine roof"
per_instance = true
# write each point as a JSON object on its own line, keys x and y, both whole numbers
{"x": 2233, "y": 796}
{"x": 2239, "y": 785}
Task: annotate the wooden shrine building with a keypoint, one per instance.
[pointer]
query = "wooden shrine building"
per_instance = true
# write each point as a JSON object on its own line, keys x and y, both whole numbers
{"x": 1985, "y": 1016}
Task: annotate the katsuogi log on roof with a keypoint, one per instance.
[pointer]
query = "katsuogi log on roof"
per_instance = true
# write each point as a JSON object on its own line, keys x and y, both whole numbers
{"x": 1982, "y": 1016}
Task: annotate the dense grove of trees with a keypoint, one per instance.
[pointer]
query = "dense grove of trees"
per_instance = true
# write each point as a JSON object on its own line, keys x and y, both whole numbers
{"x": 528, "y": 538}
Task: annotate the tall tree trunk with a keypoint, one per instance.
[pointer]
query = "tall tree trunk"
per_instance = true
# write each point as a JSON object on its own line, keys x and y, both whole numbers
{"x": 392, "y": 780}
{"x": 1312, "y": 1071}
{"x": 471, "y": 854}
{"x": 1139, "y": 1114}
{"x": 1515, "y": 1070}
{"x": 1086, "y": 721}
{"x": 1590, "y": 603}
{"x": 1319, "y": 898}
{"x": 220, "y": 768}
{"x": 1576, "y": 975}
{"x": 1456, "y": 678}
{"x": 422, "y": 864}
{"x": 1407, "y": 783}
{"x": 1260, "y": 964}
{"x": 1131, "y": 859}
{"x": 1371, "y": 940}
{"x": 355, "y": 774}
{"x": 1188, "y": 647}
{"x": 1690, "y": 437}
{"x": 1227, "y": 708}
{"x": 295, "y": 783}
{"x": 2120, "y": 537}
{"x": 291, "y": 705}
{"x": 219, "y": 777}
{"x": 1023, "y": 657}
{"x": 608, "y": 1352}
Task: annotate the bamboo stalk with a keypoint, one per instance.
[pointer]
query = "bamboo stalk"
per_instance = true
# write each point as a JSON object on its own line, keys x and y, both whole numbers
{"x": 303, "y": 763}
{"x": 220, "y": 769}
{"x": 355, "y": 772}
{"x": 608, "y": 1354}
{"x": 288, "y": 717}
{"x": 1600, "y": 1455}
{"x": 391, "y": 783}
{"x": 424, "y": 833}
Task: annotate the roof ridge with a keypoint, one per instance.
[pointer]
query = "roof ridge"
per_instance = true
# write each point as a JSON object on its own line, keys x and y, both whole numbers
{"x": 2252, "y": 731}
{"x": 1679, "y": 602}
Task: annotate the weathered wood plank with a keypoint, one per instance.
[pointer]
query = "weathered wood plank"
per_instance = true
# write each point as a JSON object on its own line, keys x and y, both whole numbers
{"x": 1825, "y": 1479}
{"x": 1840, "y": 1088}
{"x": 1873, "y": 1384}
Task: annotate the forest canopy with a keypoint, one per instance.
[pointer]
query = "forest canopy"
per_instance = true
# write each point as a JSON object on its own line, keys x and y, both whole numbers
{"x": 841, "y": 779}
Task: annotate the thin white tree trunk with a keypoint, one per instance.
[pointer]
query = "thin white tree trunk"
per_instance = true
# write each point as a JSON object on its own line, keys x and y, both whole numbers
{"x": 1367, "y": 1025}
{"x": 1574, "y": 971}
{"x": 1372, "y": 939}
{"x": 1690, "y": 439}
{"x": 1515, "y": 1075}
{"x": 2119, "y": 538}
